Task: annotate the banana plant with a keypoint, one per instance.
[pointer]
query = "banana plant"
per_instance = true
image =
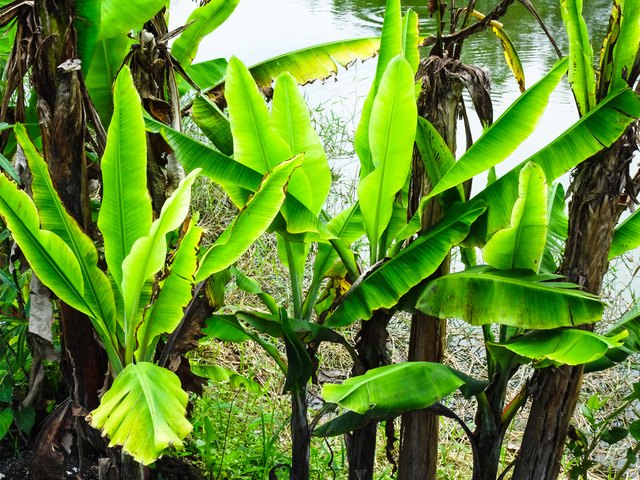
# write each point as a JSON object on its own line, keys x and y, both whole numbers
{"x": 142, "y": 296}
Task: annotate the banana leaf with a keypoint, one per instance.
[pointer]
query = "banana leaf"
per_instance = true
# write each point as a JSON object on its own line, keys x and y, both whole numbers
{"x": 626, "y": 236}
{"x": 205, "y": 75}
{"x": 383, "y": 286}
{"x": 144, "y": 411}
{"x": 118, "y": 17}
{"x": 625, "y": 52}
{"x": 126, "y": 212}
{"x": 318, "y": 62}
{"x": 597, "y": 130}
{"x": 175, "y": 294}
{"x": 391, "y": 137}
{"x": 558, "y": 229}
{"x": 521, "y": 245}
{"x": 290, "y": 116}
{"x": 581, "y": 74}
{"x": 87, "y": 24}
{"x": 504, "y": 136}
{"x": 630, "y": 323}
{"x": 390, "y": 47}
{"x": 555, "y": 347}
{"x": 400, "y": 387}
{"x": 522, "y": 299}
{"x": 97, "y": 293}
{"x": 201, "y": 22}
{"x": 213, "y": 123}
{"x": 148, "y": 255}
{"x": 411, "y": 39}
{"x": 252, "y": 221}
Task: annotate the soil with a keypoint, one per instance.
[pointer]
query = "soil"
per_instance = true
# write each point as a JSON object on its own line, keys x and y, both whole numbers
{"x": 15, "y": 465}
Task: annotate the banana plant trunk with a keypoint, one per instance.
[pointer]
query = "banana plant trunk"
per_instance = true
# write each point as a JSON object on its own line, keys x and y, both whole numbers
{"x": 438, "y": 102}
{"x": 301, "y": 435}
{"x": 372, "y": 350}
{"x": 599, "y": 185}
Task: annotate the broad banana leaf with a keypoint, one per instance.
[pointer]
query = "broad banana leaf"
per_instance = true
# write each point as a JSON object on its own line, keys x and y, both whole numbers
{"x": 206, "y": 75}
{"x": 213, "y": 123}
{"x": 390, "y": 47}
{"x": 400, "y": 387}
{"x": 630, "y": 323}
{"x": 581, "y": 74}
{"x": 555, "y": 347}
{"x": 97, "y": 293}
{"x": 87, "y": 24}
{"x": 144, "y": 411}
{"x": 107, "y": 58}
{"x": 387, "y": 283}
{"x": 118, "y": 17}
{"x": 521, "y": 245}
{"x": 252, "y": 221}
{"x": 251, "y": 285}
{"x": 482, "y": 296}
{"x": 48, "y": 255}
{"x": 290, "y": 118}
{"x": 318, "y": 62}
{"x": 255, "y": 142}
{"x": 125, "y": 213}
{"x": 175, "y": 294}
{"x": 626, "y": 236}
{"x": 625, "y": 52}
{"x": 391, "y": 136}
{"x": 558, "y": 229}
{"x": 504, "y": 136}
{"x": 597, "y": 130}
{"x": 148, "y": 256}
{"x": 201, "y": 22}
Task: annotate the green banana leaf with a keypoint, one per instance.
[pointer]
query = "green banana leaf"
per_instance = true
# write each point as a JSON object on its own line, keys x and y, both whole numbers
{"x": 213, "y": 123}
{"x": 6, "y": 167}
{"x": 626, "y": 236}
{"x": 391, "y": 136}
{"x": 318, "y": 62}
{"x": 144, "y": 411}
{"x": 255, "y": 142}
{"x": 630, "y": 323}
{"x": 125, "y": 213}
{"x": 108, "y": 56}
{"x": 506, "y": 133}
{"x": 251, "y": 285}
{"x": 175, "y": 294}
{"x": 521, "y": 245}
{"x": 386, "y": 284}
{"x": 252, "y": 221}
{"x": 581, "y": 74}
{"x": 87, "y": 24}
{"x": 118, "y": 17}
{"x": 97, "y": 293}
{"x": 411, "y": 39}
{"x": 598, "y": 129}
{"x": 558, "y": 229}
{"x": 201, "y": 22}
{"x": 390, "y": 47}
{"x": 482, "y": 296}
{"x": 48, "y": 255}
{"x": 400, "y": 387}
{"x": 555, "y": 347}
{"x": 148, "y": 255}
{"x": 229, "y": 329}
{"x": 625, "y": 52}
{"x": 205, "y": 75}
{"x": 220, "y": 374}
{"x": 299, "y": 364}
{"x": 290, "y": 117}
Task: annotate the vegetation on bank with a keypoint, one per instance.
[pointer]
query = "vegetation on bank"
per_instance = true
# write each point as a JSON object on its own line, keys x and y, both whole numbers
{"x": 163, "y": 339}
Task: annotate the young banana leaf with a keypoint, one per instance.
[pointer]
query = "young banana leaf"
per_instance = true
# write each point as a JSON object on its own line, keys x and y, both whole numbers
{"x": 521, "y": 245}
{"x": 626, "y": 236}
{"x": 144, "y": 411}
